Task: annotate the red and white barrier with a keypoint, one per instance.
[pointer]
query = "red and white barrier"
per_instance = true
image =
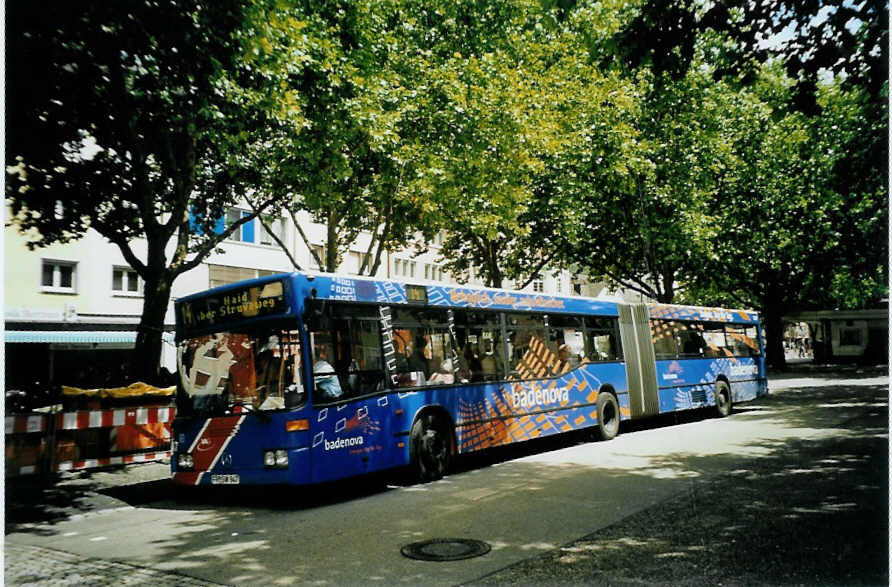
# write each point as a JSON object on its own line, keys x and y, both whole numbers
{"x": 25, "y": 443}
{"x": 33, "y": 441}
{"x": 25, "y": 423}
{"x": 111, "y": 461}
{"x": 84, "y": 419}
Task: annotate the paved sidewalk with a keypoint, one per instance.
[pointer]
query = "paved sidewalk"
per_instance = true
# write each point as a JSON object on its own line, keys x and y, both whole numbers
{"x": 33, "y": 565}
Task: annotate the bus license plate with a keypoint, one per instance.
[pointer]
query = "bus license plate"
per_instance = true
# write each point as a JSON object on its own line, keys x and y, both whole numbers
{"x": 225, "y": 480}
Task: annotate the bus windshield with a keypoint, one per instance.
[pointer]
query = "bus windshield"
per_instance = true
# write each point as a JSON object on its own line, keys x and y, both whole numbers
{"x": 252, "y": 369}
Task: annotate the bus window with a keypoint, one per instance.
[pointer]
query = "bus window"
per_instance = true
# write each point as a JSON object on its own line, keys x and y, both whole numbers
{"x": 480, "y": 352}
{"x": 423, "y": 347}
{"x": 567, "y": 340}
{"x": 252, "y": 369}
{"x": 690, "y": 341}
{"x": 663, "y": 333}
{"x": 742, "y": 340}
{"x": 602, "y": 340}
{"x": 529, "y": 357}
{"x": 714, "y": 338}
{"x": 347, "y": 358}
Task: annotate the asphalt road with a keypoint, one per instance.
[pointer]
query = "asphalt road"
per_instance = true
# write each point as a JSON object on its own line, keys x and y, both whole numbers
{"x": 791, "y": 489}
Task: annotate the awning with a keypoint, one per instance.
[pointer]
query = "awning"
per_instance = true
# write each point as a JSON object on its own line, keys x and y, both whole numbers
{"x": 76, "y": 336}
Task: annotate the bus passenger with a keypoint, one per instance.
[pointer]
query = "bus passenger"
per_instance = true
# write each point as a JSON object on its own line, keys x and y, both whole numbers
{"x": 566, "y": 360}
{"x": 491, "y": 363}
{"x": 419, "y": 361}
{"x": 444, "y": 374}
{"x": 327, "y": 384}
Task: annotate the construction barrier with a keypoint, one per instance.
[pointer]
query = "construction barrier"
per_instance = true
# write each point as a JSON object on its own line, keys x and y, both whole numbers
{"x": 87, "y": 439}
{"x": 76, "y": 439}
{"x": 25, "y": 443}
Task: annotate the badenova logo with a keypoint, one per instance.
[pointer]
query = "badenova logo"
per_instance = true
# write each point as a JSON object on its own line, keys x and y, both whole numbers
{"x": 339, "y": 443}
{"x": 739, "y": 370}
{"x": 538, "y": 397}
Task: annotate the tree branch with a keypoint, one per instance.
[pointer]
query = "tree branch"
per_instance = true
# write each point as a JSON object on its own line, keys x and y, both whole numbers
{"x": 303, "y": 237}
{"x": 539, "y": 268}
{"x": 205, "y": 249}
{"x": 279, "y": 242}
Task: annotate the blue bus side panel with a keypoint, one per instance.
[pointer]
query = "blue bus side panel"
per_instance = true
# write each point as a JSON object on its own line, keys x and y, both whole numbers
{"x": 498, "y": 414}
{"x": 689, "y": 383}
{"x": 354, "y": 438}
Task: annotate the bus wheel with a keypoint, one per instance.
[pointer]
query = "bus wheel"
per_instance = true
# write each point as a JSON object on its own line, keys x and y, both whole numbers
{"x": 722, "y": 398}
{"x": 608, "y": 415}
{"x": 431, "y": 447}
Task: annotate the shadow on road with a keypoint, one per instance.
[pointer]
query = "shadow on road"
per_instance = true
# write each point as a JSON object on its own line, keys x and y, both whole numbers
{"x": 810, "y": 511}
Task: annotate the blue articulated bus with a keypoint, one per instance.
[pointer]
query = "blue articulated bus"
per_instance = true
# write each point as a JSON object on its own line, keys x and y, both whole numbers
{"x": 301, "y": 379}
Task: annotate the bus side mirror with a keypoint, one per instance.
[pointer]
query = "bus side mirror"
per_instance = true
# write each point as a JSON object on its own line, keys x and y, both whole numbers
{"x": 316, "y": 317}
{"x": 294, "y": 396}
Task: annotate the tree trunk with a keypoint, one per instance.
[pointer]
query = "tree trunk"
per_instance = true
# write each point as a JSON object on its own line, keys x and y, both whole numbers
{"x": 331, "y": 243}
{"x": 494, "y": 272}
{"x": 667, "y": 296}
{"x": 145, "y": 364}
{"x": 773, "y": 320}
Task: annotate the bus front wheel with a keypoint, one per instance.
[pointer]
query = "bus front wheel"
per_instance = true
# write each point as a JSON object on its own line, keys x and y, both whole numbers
{"x": 608, "y": 415}
{"x": 722, "y": 398}
{"x": 430, "y": 447}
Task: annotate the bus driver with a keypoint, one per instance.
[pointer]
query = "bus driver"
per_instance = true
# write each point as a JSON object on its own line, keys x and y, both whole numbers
{"x": 326, "y": 379}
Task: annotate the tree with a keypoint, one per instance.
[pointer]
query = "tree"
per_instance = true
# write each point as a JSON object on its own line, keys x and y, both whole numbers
{"x": 846, "y": 39}
{"x": 649, "y": 228}
{"x": 362, "y": 79}
{"x": 145, "y": 120}
{"x": 514, "y": 101}
{"x": 789, "y": 236}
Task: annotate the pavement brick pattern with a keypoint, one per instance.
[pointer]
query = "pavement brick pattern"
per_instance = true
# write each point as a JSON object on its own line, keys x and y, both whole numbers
{"x": 33, "y": 565}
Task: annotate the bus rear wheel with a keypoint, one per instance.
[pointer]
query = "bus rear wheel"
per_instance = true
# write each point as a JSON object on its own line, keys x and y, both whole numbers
{"x": 608, "y": 415}
{"x": 722, "y": 398}
{"x": 430, "y": 447}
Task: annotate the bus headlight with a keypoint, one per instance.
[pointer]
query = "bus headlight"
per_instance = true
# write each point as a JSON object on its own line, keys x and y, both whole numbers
{"x": 185, "y": 461}
{"x": 275, "y": 459}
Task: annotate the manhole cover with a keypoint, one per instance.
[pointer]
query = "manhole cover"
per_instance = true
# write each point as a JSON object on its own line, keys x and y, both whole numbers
{"x": 445, "y": 549}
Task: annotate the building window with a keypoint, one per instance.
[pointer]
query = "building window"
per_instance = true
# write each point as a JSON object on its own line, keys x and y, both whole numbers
{"x": 59, "y": 276}
{"x": 321, "y": 252}
{"x": 222, "y": 275}
{"x": 538, "y": 286}
{"x": 232, "y": 216}
{"x": 276, "y": 225}
{"x": 356, "y": 261}
{"x": 125, "y": 281}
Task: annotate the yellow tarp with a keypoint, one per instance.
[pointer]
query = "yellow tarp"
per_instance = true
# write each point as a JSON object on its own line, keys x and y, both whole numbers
{"x": 133, "y": 390}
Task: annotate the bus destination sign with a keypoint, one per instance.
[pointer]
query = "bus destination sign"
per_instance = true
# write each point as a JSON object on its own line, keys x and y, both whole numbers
{"x": 250, "y": 302}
